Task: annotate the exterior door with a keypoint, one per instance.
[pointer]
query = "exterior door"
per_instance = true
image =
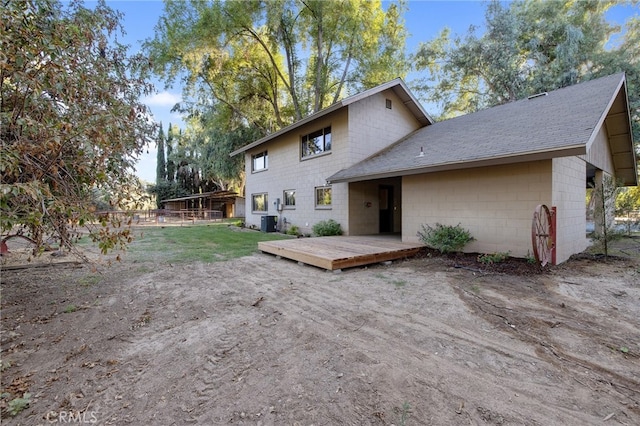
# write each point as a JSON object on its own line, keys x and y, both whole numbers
{"x": 386, "y": 208}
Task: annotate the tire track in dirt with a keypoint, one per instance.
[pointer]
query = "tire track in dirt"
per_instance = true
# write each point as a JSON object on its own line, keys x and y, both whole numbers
{"x": 264, "y": 341}
{"x": 548, "y": 321}
{"x": 313, "y": 303}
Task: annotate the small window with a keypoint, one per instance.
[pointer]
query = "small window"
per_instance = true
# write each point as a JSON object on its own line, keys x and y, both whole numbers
{"x": 323, "y": 197}
{"x": 259, "y": 203}
{"x": 316, "y": 143}
{"x": 388, "y": 102}
{"x": 259, "y": 162}
{"x": 289, "y": 197}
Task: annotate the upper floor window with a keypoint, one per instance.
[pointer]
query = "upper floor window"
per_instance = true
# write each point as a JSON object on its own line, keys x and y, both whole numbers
{"x": 316, "y": 143}
{"x": 259, "y": 161}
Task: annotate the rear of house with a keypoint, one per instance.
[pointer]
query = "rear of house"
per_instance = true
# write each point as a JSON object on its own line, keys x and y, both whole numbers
{"x": 287, "y": 171}
{"x": 489, "y": 170}
{"x": 377, "y": 164}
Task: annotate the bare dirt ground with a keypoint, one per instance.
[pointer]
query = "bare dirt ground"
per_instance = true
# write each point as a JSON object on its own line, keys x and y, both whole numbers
{"x": 261, "y": 341}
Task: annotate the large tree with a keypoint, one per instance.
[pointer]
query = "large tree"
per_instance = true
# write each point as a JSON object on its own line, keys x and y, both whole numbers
{"x": 71, "y": 119}
{"x": 251, "y": 67}
{"x": 274, "y": 62}
{"x": 528, "y": 47}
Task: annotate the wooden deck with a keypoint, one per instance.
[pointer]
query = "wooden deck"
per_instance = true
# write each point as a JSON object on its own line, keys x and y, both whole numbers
{"x": 334, "y": 253}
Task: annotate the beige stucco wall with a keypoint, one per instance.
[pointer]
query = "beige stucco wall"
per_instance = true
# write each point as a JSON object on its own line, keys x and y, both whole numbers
{"x": 569, "y": 195}
{"x": 495, "y": 203}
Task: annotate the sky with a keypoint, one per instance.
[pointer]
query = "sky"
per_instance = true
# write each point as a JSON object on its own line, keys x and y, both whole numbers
{"x": 424, "y": 20}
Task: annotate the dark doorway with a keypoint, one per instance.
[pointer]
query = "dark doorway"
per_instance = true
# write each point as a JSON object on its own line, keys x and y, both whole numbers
{"x": 385, "y": 194}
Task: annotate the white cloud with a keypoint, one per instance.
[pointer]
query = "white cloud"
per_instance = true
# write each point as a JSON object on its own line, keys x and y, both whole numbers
{"x": 162, "y": 99}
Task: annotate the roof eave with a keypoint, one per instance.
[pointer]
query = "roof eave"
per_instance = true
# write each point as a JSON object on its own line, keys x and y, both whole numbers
{"x": 397, "y": 85}
{"x": 289, "y": 128}
{"x": 630, "y": 177}
{"x": 460, "y": 165}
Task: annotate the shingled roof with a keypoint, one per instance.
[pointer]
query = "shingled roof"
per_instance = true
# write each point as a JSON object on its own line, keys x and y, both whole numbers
{"x": 398, "y": 86}
{"x": 560, "y": 123}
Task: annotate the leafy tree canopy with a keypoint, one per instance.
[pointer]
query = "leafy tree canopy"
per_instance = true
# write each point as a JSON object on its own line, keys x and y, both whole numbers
{"x": 270, "y": 63}
{"x": 71, "y": 120}
{"x": 530, "y": 47}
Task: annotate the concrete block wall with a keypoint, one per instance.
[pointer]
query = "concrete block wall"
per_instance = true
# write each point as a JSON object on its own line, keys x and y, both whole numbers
{"x": 569, "y": 197}
{"x": 358, "y": 131}
{"x": 364, "y": 206}
{"x": 495, "y": 204}
{"x": 287, "y": 171}
{"x": 372, "y": 126}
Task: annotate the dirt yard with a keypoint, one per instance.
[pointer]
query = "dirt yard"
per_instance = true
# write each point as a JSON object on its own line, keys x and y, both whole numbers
{"x": 261, "y": 341}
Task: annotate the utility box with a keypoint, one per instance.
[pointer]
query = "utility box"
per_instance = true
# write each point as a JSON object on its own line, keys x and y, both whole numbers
{"x": 268, "y": 224}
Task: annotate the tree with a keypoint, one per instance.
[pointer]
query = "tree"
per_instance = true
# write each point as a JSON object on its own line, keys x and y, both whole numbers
{"x": 626, "y": 56}
{"x": 171, "y": 167}
{"x": 269, "y": 63}
{"x": 227, "y": 173}
{"x": 529, "y": 47}
{"x": 250, "y": 68}
{"x": 161, "y": 170}
{"x": 473, "y": 73}
{"x": 71, "y": 120}
{"x": 161, "y": 166}
{"x": 627, "y": 201}
{"x": 604, "y": 192}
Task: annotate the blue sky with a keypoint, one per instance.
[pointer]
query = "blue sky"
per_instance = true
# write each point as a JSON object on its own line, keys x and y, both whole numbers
{"x": 424, "y": 20}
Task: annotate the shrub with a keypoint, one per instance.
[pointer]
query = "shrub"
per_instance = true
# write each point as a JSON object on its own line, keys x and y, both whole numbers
{"x": 293, "y": 230}
{"x": 16, "y": 405}
{"x": 445, "y": 238}
{"x": 489, "y": 259}
{"x": 327, "y": 228}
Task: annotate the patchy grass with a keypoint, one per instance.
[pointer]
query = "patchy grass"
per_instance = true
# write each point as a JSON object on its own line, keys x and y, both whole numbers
{"x": 624, "y": 246}
{"x": 197, "y": 243}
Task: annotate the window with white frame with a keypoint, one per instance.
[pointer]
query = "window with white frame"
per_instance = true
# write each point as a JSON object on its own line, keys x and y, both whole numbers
{"x": 323, "y": 197}
{"x": 289, "y": 197}
{"x": 259, "y": 161}
{"x": 316, "y": 143}
{"x": 259, "y": 203}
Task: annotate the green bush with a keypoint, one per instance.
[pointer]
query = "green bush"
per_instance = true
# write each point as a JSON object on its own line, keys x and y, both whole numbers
{"x": 445, "y": 238}
{"x": 293, "y": 230}
{"x": 489, "y": 259}
{"x": 327, "y": 228}
{"x": 16, "y": 405}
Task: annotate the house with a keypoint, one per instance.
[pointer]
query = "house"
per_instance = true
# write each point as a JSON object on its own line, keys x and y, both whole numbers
{"x": 287, "y": 171}
{"x": 377, "y": 163}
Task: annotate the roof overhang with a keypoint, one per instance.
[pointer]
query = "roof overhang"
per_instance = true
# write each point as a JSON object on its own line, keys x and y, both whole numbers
{"x": 617, "y": 121}
{"x": 215, "y": 195}
{"x": 612, "y": 115}
{"x": 460, "y": 165}
{"x": 397, "y": 85}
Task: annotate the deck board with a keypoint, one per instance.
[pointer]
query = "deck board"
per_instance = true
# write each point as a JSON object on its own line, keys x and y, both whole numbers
{"x": 341, "y": 252}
